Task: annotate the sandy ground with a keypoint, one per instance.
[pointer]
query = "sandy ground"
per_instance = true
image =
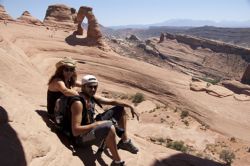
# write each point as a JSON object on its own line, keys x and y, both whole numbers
{"x": 27, "y": 57}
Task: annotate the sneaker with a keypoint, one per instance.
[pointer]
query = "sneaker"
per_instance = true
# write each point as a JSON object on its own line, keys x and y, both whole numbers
{"x": 128, "y": 146}
{"x": 121, "y": 163}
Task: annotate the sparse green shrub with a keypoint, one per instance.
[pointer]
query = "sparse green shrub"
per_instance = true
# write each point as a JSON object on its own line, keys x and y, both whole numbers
{"x": 204, "y": 126}
{"x": 158, "y": 106}
{"x": 138, "y": 98}
{"x": 200, "y": 155}
{"x": 153, "y": 110}
{"x": 233, "y": 139}
{"x": 186, "y": 122}
{"x": 162, "y": 120}
{"x": 161, "y": 140}
{"x": 177, "y": 145}
{"x": 184, "y": 114}
{"x": 227, "y": 156}
{"x": 124, "y": 96}
{"x": 152, "y": 139}
{"x": 176, "y": 109}
{"x": 210, "y": 80}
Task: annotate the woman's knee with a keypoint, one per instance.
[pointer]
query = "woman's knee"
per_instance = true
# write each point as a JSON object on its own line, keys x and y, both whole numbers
{"x": 57, "y": 105}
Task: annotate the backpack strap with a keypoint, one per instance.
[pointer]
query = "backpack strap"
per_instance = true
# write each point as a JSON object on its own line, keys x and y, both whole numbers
{"x": 87, "y": 114}
{"x": 77, "y": 98}
{"x": 97, "y": 102}
{"x": 67, "y": 114}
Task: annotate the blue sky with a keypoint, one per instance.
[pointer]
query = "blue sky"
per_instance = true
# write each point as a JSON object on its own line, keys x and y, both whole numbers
{"x": 124, "y": 12}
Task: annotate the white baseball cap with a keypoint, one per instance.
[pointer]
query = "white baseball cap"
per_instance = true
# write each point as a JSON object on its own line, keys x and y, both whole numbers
{"x": 89, "y": 79}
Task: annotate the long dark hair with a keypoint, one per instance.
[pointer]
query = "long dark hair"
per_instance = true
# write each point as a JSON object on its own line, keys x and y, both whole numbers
{"x": 59, "y": 74}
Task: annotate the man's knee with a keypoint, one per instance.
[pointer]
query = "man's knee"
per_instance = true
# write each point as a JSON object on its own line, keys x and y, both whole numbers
{"x": 119, "y": 111}
{"x": 112, "y": 131}
{"x": 103, "y": 130}
{"x": 105, "y": 126}
{"x": 119, "y": 108}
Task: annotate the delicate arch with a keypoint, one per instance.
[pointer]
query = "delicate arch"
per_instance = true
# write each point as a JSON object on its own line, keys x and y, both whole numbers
{"x": 93, "y": 31}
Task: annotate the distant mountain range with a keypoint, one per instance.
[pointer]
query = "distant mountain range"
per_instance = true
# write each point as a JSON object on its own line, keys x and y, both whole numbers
{"x": 188, "y": 23}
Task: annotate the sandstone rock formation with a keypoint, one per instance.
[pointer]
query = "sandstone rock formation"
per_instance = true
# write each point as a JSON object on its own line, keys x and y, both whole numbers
{"x": 60, "y": 16}
{"x": 237, "y": 87}
{"x": 26, "y": 17}
{"x": 133, "y": 38}
{"x": 246, "y": 76}
{"x": 162, "y": 37}
{"x": 216, "y": 46}
{"x": 28, "y": 55}
{"x": 214, "y": 90}
{"x": 149, "y": 49}
{"x": 94, "y": 35}
{"x": 3, "y": 14}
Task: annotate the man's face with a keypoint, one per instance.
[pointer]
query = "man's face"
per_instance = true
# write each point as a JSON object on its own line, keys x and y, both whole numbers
{"x": 91, "y": 88}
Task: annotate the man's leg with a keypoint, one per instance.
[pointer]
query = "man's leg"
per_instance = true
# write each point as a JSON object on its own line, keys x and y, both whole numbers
{"x": 119, "y": 114}
{"x": 122, "y": 122}
{"x": 125, "y": 143}
{"x": 106, "y": 132}
{"x": 111, "y": 144}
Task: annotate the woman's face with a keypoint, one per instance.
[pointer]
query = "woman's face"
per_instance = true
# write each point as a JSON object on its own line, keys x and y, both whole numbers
{"x": 68, "y": 71}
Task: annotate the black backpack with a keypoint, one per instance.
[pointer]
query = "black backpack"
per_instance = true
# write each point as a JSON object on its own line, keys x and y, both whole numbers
{"x": 63, "y": 113}
{"x": 63, "y": 118}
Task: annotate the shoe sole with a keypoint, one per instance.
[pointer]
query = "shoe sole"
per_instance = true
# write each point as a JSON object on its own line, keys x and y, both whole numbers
{"x": 128, "y": 151}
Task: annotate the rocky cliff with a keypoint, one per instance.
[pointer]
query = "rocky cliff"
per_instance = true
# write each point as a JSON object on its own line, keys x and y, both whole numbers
{"x": 60, "y": 16}
{"x": 215, "y": 46}
{"x": 26, "y": 17}
{"x": 3, "y": 14}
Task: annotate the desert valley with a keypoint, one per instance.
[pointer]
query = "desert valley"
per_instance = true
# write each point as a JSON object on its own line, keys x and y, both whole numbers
{"x": 192, "y": 91}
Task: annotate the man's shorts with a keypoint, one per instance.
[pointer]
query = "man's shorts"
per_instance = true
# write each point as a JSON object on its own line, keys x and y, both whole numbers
{"x": 98, "y": 134}
{"x": 112, "y": 113}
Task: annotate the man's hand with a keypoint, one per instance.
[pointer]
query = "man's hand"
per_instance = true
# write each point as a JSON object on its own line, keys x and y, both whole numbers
{"x": 134, "y": 113}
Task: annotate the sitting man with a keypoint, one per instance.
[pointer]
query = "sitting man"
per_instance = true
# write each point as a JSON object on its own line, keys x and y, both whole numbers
{"x": 88, "y": 130}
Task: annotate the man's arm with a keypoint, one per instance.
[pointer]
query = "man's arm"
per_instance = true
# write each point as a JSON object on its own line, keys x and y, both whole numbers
{"x": 103, "y": 100}
{"x": 76, "y": 119}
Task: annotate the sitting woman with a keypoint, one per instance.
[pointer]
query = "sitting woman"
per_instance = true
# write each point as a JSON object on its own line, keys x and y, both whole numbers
{"x": 62, "y": 82}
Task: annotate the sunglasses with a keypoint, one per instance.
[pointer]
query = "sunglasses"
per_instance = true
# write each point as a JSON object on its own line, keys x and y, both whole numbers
{"x": 69, "y": 69}
{"x": 92, "y": 86}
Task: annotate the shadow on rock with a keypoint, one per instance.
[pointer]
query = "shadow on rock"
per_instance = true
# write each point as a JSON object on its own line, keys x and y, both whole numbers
{"x": 185, "y": 160}
{"x": 86, "y": 154}
{"x": 11, "y": 149}
{"x": 73, "y": 40}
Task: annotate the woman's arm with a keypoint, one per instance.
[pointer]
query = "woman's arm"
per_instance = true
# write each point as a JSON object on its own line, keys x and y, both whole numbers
{"x": 59, "y": 85}
{"x": 78, "y": 84}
